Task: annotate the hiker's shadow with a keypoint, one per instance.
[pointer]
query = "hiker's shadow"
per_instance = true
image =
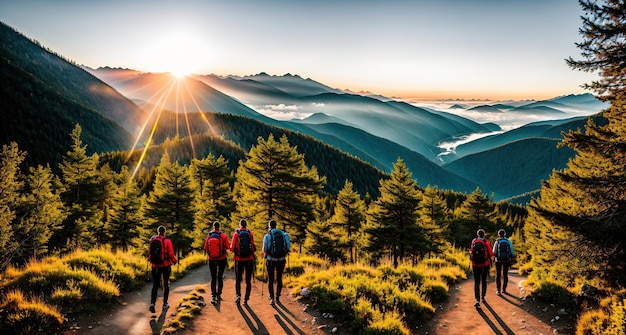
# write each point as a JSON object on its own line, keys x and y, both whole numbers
{"x": 283, "y": 319}
{"x": 504, "y": 326}
{"x": 259, "y": 327}
{"x": 157, "y": 324}
{"x": 511, "y": 299}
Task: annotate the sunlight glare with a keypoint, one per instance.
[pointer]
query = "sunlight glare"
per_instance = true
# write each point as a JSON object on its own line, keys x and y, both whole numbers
{"x": 177, "y": 52}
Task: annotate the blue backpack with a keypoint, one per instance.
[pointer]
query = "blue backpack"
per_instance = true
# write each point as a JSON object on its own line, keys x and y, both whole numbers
{"x": 503, "y": 251}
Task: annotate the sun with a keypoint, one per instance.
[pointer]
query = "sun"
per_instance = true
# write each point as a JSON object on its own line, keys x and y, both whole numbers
{"x": 180, "y": 73}
{"x": 177, "y": 52}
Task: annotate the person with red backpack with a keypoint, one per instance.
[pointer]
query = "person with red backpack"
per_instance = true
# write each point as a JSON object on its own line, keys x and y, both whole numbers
{"x": 215, "y": 245}
{"x": 242, "y": 245}
{"x": 161, "y": 256}
{"x": 503, "y": 249}
{"x": 480, "y": 255}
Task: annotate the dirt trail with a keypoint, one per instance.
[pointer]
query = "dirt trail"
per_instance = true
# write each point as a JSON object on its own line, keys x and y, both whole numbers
{"x": 132, "y": 315}
{"x": 506, "y": 314}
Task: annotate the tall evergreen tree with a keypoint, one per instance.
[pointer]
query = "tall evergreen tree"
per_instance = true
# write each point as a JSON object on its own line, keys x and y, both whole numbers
{"x": 10, "y": 192}
{"x": 603, "y": 47}
{"x": 350, "y": 215}
{"x": 433, "y": 217}
{"x": 124, "y": 221}
{"x": 473, "y": 213}
{"x": 41, "y": 213}
{"x": 171, "y": 204}
{"x": 275, "y": 183}
{"x": 582, "y": 209}
{"x": 81, "y": 195}
{"x": 394, "y": 215}
{"x": 213, "y": 180}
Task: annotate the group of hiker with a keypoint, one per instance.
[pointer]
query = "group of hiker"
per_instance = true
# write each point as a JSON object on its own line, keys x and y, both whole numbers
{"x": 481, "y": 255}
{"x": 276, "y": 245}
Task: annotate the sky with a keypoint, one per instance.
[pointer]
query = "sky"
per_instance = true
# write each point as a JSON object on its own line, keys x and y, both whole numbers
{"x": 413, "y": 49}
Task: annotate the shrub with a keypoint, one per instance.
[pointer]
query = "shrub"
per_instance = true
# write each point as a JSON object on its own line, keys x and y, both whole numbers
{"x": 389, "y": 324}
{"x": 555, "y": 294}
{"x": 610, "y": 320}
{"x": 21, "y": 315}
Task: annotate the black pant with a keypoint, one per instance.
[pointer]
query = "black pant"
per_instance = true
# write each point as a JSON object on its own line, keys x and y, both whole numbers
{"x": 275, "y": 267}
{"x": 240, "y": 267}
{"x": 217, "y": 276}
{"x": 502, "y": 268}
{"x": 158, "y": 273}
{"x": 480, "y": 277}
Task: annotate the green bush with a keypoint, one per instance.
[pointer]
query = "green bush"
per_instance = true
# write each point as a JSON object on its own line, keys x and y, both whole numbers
{"x": 554, "y": 294}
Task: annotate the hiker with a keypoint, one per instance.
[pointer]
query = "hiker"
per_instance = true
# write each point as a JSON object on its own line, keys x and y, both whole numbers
{"x": 503, "y": 250}
{"x": 242, "y": 246}
{"x": 480, "y": 255}
{"x": 276, "y": 245}
{"x": 216, "y": 244}
{"x": 161, "y": 256}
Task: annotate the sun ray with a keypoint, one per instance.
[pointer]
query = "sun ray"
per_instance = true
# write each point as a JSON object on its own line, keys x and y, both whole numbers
{"x": 179, "y": 93}
{"x": 153, "y": 130}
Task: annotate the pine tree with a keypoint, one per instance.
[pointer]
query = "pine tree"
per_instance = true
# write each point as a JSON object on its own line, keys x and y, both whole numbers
{"x": 275, "y": 183}
{"x": 350, "y": 215}
{"x": 433, "y": 221}
{"x": 81, "y": 195}
{"x": 213, "y": 179}
{"x": 394, "y": 216}
{"x": 123, "y": 224}
{"x": 171, "y": 204}
{"x": 41, "y": 213}
{"x": 603, "y": 47}
{"x": 581, "y": 210}
{"x": 10, "y": 192}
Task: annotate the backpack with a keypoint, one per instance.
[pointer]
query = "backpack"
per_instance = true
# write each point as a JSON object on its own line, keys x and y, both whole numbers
{"x": 478, "y": 251}
{"x": 503, "y": 252}
{"x": 156, "y": 251}
{"x": 245, "y": 244}
{"x": 278, "y": 244}
{"x": 215, "y": 245}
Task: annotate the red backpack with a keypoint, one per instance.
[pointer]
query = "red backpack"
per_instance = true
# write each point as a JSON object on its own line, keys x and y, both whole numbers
{"x": 216, "y": 249}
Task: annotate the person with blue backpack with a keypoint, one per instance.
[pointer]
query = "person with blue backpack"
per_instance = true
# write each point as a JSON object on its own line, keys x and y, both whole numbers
{"x": 503, "y": 250}
{"x": 276, "y": 246}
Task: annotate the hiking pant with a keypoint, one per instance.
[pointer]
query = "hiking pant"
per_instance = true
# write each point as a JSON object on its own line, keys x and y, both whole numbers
{"x": 240, "y": 267}
{"x": 502, "y": 268}
{"x": 480, "y": 277}
{"x": 158, "y": 273}
{"x": 217, "y": 268}
{"x": 275, "y": 267}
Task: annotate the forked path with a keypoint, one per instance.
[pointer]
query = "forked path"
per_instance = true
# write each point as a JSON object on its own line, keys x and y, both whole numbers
{"x": 506, "y": 314}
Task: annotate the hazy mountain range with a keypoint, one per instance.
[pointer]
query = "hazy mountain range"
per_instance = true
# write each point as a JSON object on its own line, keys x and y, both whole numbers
{"x": 376, "y": 129}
